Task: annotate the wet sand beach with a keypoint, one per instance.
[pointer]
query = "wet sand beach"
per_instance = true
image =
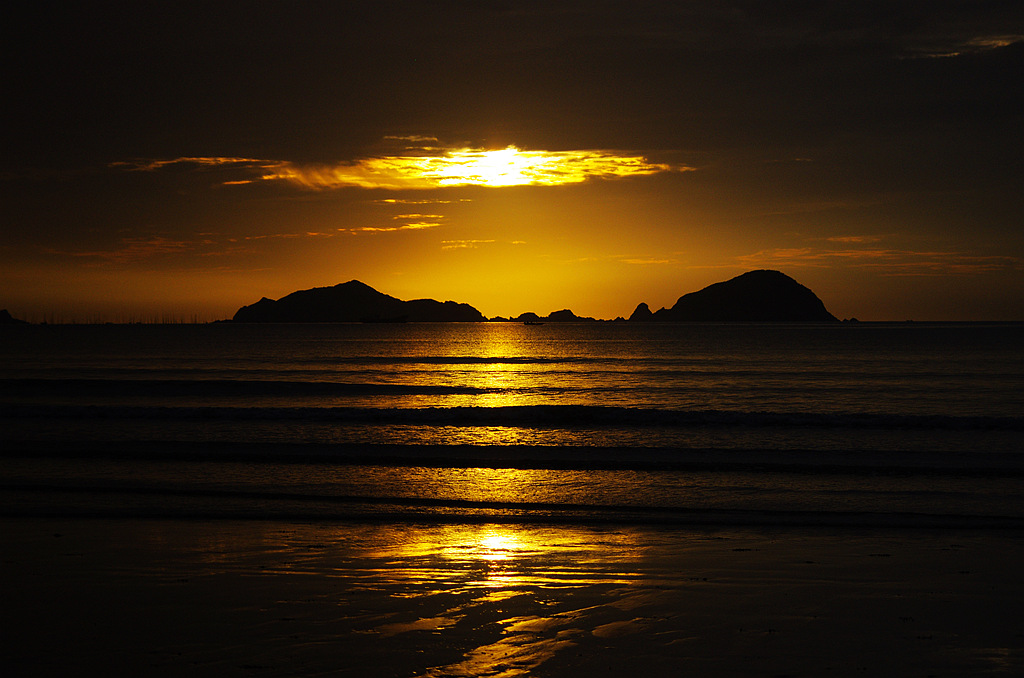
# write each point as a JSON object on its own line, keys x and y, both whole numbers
{"x": 278, "y": 598}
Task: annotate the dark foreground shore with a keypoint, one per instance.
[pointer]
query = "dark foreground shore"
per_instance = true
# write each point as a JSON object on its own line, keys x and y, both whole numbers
{"x": 259, "y": 598}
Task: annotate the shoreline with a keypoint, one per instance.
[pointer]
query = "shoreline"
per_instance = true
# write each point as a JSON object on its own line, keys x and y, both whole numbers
{"x": 161, "y": 597}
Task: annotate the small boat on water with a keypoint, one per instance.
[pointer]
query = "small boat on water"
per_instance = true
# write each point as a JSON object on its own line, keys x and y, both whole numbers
{"x": 531, "y": 322}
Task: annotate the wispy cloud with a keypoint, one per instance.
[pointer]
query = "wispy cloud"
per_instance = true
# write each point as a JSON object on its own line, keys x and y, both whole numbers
{"x": 975, "y": 45}
{"x": 144, "y": 248}
{"x": 427, "y": 201}
{"x": 432, "y": 167}
{"x": 403, "y": 217}
{"x": 646, "y": 262}
{"x": 894, "y": 262}
{"x": 200, "y": 162}
{"x": 813, "y": 207}
{"x": 418, "y": 226}
{"x": 134, "y": 249}
{"x": 855, "y": 239}
{"x": 463, "y": 244}
{"x": 304, "y": 234}
{"x": 413, "y": 222}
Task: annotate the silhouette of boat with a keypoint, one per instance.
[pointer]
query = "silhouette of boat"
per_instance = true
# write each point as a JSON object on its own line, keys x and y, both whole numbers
{"x": 531, "y": 322}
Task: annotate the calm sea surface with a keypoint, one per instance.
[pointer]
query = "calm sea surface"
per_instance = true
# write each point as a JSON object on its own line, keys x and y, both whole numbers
{"x": 861, "y": 424}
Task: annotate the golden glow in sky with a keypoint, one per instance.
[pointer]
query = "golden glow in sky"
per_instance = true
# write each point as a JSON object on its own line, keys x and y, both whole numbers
{"x": 598, "y": 249}
{"x": 438, "y": 168}
{"x": 469, "y": 167}
{"x": 515, "y": 156}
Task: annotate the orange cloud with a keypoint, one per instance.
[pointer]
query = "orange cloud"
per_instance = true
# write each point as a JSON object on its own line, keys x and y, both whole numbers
{"x": 468, "y": 167}
{"x": 646, "y": 262}
{"x": 463, "y": 244}
{"x": 418, "y": 216}
{"x": 428, "y": 201}
{"x": 390, "y": 229}
{"x": 430, "y": 167}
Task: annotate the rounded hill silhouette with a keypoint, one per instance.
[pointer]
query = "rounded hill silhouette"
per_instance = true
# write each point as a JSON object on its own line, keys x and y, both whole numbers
{"x": 352, "y": 302}
{"x": 754, "y": 296}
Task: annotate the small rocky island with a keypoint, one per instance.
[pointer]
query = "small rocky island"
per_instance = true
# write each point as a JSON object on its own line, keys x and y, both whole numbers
{"x": 563, "y": 316}
{"x": 755, "y": 296}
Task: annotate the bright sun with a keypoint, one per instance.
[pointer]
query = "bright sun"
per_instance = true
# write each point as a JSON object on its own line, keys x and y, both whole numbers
{"x": 507, "y": 167}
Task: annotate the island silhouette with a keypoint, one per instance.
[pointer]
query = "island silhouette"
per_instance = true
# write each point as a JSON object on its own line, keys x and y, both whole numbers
{"x": 762, "y": 295}
{"x": 7, "y": 319}
{"x": 352, "y": 301}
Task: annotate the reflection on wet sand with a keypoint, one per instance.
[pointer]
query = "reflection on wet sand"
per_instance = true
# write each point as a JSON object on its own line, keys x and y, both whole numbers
{"x": 500, "y": 587}
{"x": 489, "y": 556}
{"x": 374, "y": 600}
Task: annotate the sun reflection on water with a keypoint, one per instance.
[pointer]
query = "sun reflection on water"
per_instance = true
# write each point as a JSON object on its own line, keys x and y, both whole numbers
{"x": 497, "y": 546}
{"x": 505, "y": 556}
{"x": 512, "y": 596}
{"x": 495, "y": 555}
{"x": 495, "y": 367}
{"x": 506, "y": 383}
{"x": 499, "y": 485}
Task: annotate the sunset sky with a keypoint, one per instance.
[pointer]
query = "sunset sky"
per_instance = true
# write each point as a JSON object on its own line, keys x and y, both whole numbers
{"x": 179, "y": 160}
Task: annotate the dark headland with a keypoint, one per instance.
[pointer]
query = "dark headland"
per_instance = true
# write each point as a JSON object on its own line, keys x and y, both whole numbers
{"x": 7, "y": 319}
{"x": 753, "y": 296}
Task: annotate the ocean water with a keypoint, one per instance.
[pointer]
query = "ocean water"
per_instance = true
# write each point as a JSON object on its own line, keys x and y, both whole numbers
{"x": 915, "y": 424}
